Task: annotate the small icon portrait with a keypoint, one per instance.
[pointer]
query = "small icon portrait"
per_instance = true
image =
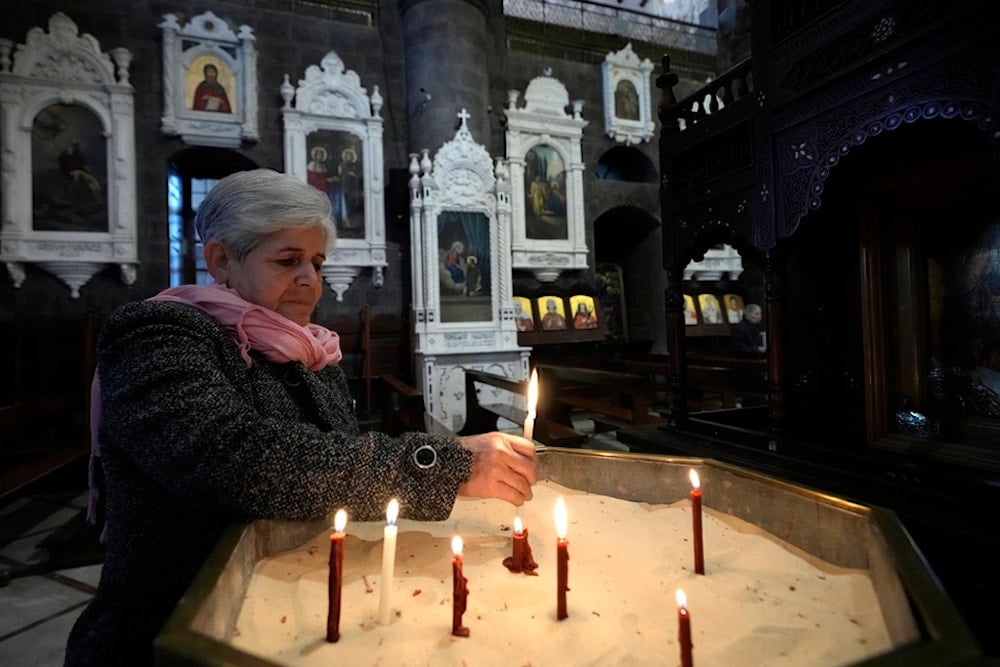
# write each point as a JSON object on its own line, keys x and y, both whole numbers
{"x": 522, "y": 314}
{"x": 734, "y": 308}
{"x": 210, "y": 94}
{"x": 710, "y": 311}
{"x": 690, "y": 314}
{"x": 553, "y": 315}
{"x": 584, "y": 315}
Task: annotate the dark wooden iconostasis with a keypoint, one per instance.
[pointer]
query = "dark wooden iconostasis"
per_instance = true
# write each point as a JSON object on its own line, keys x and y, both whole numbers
{"x": 895, "y": 287}
{"x": 853, "y": 159}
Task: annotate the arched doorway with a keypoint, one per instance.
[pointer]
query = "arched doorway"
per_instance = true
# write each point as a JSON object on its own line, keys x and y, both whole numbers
{"x": 628, "y": 244}
{"x": 191, "y": 173}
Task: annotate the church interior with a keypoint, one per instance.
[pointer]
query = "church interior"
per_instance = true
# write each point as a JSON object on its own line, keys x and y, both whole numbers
{"x": 596, "y": 190}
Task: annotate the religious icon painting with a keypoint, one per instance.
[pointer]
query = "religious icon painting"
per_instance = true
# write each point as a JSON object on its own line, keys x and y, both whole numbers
{"x": 545, "y": 186}
{"x": 628, "y": 115}
{"x": 734, "y": 308}
{"x": 522, "y": 314}
{"x": 465, "y": 265}
{"x": 209, "y": 81}
{"x": 710, "y": 311}
{"x": 69, "y": 170}
{"x": 584, "y": 312}
{"x": 335, "y": 165}
{"x": 611, "y": 297}
{"x": 210, "y": 86}
{"x": 552, "y": 313}
{"x": 690, "y": 314}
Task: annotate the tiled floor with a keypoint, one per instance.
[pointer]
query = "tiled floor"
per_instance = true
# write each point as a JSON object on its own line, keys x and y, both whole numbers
{"x": 38, "y": 610}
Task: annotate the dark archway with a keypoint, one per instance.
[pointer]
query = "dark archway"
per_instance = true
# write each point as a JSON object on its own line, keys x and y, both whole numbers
{"x": 191, "y": 173}
{"x": 626, "y": 163}
{"x": 627, "y": 239}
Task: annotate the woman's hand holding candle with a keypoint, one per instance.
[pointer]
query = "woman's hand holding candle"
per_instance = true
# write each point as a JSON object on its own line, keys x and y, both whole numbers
{"x": 504, "y": 466}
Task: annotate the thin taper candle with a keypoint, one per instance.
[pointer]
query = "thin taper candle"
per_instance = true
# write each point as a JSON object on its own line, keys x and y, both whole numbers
{"x": 684, "y": 630}
{"x": 699, "y": 548}
{"x": 529, "y": 419}
{"x": 336, "y": 576}
{"x": 459, "y": 590}
{"x": 388, "y": 561}
{"x": 562, "y": 559}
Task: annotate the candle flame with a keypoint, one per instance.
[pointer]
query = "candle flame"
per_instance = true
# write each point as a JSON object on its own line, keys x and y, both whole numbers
{"x": 340, "y": 521}
{"x": 695, "y": 481}
{"x": 561, "y": 519}
{"x": 518, "y": 525}
{"x": 682, "y": 600}
{"x": 392, "y": 512}
{"x": 456, "y": 545}
{"x": 533, "y": 394}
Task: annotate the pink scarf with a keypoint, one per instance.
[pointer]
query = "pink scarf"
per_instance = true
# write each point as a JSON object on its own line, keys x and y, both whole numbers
{"x": 252, "y": 327}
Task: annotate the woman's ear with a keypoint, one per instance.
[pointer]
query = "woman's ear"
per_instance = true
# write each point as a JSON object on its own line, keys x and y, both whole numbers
{"x": 217, "y": 261}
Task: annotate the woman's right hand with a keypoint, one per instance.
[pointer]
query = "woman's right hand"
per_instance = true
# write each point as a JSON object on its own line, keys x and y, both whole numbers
{"x": 504, "y": 466}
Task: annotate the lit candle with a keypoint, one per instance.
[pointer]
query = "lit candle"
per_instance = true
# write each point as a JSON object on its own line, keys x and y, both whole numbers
{"x": 336, "y": 575}
{"x": 388, "y": 561}
{"x": 518, "y": 547}
{"x": 529, "y": 419}
{"x": 562, "y": 559}
{"x": 684, "y": 630}
{"x": 521, "y": 559}
{"x": 460, "y": 590}
{"x": 699, "y": 550}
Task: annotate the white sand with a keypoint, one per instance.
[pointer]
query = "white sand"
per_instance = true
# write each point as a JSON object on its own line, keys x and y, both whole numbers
{"x": 760, "y": 601}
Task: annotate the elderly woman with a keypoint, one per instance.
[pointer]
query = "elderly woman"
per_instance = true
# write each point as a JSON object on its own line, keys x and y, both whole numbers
{"x": 223, "y": 403}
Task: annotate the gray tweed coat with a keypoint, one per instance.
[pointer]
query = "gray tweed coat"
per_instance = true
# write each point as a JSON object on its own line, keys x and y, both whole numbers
{"x": 194, "y": 440}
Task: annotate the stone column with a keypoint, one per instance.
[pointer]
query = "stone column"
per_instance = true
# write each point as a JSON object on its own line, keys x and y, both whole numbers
{"x": 446, "y": 45}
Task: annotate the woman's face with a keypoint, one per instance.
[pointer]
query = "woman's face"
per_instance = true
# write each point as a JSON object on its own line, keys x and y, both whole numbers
{"x": 282, "y": 272}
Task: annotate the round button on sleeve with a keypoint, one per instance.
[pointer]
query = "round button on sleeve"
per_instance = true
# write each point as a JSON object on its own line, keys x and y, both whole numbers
{"x": 425, "y": 457}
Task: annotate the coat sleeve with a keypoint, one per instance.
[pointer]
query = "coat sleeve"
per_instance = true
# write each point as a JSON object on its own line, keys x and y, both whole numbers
{"x": 180, "y": 406}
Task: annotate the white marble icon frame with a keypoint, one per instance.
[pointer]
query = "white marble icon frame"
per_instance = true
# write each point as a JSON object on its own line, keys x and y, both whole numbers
{"x": 330, "y": 110}
{"x": 549, "y": 231}
{"x": 189, "y": 50}
{"x": 628, "y": 110}
{"x": 68, "y": 156}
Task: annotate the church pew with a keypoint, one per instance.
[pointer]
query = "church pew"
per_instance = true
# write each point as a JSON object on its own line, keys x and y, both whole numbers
{"x": 613, "y": 399}
{"x": 483, "y": 417}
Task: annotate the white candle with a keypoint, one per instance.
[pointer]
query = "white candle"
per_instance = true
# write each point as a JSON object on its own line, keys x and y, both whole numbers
{"x": 529, "y": 419}
{"x": 388, "y": 561}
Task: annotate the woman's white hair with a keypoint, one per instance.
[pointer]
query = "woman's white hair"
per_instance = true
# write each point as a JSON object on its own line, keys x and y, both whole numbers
{"x": 248, "y": 206}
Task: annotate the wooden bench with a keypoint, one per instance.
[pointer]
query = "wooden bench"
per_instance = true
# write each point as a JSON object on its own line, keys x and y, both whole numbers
{"x": 613, "y": 399}
{"x": 714, "y": 381}
{"x": 483, "y": 417}
{"x": 47, "y": 366}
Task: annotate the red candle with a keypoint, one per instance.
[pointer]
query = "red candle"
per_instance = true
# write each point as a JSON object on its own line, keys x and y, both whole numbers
{"x": 684, "y": 630}
{"x": 336, "y": 576}
{"x": 460, "y": 590}
{"x": 517, "y": 559}
{"x": 562, "y": 559}
{"x": 521, "y": 559}
{"x": 699, "y": 548}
